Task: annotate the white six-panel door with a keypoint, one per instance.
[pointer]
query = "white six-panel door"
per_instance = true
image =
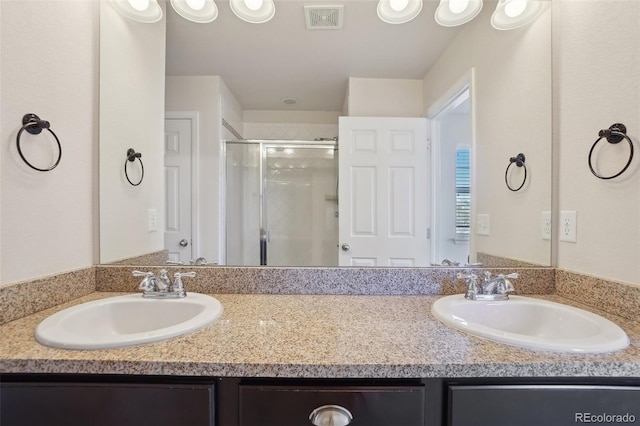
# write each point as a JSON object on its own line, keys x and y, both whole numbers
{"x": 384, "y": 172}
{"x": 177, "y": 165}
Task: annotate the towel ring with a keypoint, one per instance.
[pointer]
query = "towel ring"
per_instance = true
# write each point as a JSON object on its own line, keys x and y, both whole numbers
{"x": 131, "y": 157}
{"x": 32, "y": 124}
{"x": 614, "y": 134}
{"x": 518, "y": 160}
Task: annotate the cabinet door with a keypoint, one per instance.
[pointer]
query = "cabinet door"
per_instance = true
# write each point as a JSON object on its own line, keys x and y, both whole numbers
{"x": 100, "y": 404}
{"x": 536, "y": 405}
{"x": 369, "y": 406}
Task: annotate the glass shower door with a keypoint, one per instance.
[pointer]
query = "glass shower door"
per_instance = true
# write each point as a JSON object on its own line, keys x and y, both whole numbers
{"x": 281, "y": 204}
{"x": 300, "y": 205}
{"x": 242, "y": 203}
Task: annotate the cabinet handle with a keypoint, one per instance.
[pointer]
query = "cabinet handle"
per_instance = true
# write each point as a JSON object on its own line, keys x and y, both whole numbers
{"x": 330, "y": 415}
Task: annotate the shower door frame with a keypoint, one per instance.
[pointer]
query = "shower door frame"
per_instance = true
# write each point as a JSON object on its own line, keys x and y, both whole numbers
{"x": 263, "y": 145}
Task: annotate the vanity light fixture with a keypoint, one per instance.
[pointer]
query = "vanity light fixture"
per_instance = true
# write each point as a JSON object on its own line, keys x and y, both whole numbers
{"x": 253, "y": 11}
{"x": 510, "y": 14}
{"x": 147, "y": 11}
{"x": 200, "y": 11}
{"x": 451, "y": 13}
{"x": 398, "y": 11}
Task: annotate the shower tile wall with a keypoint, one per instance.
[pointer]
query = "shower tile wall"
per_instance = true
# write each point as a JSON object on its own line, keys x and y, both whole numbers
{"x": 298, "y": 131}
{"x": 301, "y": 208}
{"x": 301, "y": 205}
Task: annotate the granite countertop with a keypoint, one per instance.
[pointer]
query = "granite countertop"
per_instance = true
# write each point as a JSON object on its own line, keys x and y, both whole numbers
{"x": 329, "y": 336}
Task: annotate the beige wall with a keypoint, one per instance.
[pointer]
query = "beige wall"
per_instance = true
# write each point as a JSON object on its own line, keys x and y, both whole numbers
{"x": 512, "y": 114}
{"x": 597, "y": 83}
{"x": 49, "y": 54}
{"x": 203, "y": 94}
{"x": 300, "y": 125}
{"x": 381, "y": 97}
{"x": 131, "y": 116}
{"x": 48, "y": 220}
{"x": 232, "y": 111}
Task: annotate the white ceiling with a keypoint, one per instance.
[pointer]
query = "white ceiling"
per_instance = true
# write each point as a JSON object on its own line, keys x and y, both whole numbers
{"x": 262, "y": 63}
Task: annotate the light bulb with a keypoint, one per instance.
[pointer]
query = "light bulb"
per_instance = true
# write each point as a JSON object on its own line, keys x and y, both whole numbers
{"x": 140, "y": 5}
{"x": 195, "y": 4}
{"x": 515, "y": 8}
{"x": 458, "y": 6}
{"x": 254, "y": 4}
{"x": 398, "y": 5}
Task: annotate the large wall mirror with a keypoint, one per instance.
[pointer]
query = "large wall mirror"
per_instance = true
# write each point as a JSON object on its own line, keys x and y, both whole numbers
{"x": 484, "y": 95}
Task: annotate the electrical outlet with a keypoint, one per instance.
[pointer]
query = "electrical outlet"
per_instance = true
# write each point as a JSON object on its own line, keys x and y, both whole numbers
{"x": 153, "y": 220}
{"x": 546, "y": 225}
{"x": 568, "y": 226}
{"x": 482, "y": 224}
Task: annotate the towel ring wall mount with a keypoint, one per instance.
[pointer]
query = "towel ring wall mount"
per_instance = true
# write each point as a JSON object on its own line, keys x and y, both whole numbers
{"x": 615, "y": 134}
{"x": 518, "y": 160}
{"x": 32, "y": 124}
{"x": 132, "y": 155}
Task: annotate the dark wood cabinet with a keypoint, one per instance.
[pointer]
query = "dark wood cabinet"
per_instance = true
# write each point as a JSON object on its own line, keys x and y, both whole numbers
{"x": 106, "y": 404}
{"x": 368, "y": 405}
{"x": 535, "y": 405}
{"x": 122, "y": 400}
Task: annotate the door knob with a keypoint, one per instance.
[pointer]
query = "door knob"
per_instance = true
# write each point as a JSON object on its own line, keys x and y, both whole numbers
{"x": 330, "y": 415}
{"x": 183, "y": 242}
{"x": 345, "y": 247}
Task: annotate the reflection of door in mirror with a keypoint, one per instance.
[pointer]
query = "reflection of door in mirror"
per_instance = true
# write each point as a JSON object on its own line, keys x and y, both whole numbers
{"x": 281, "y": 203}
{"x": 178, "y": 188}
{"x": 452, "y": 141}
{"x": 384, "y": 182}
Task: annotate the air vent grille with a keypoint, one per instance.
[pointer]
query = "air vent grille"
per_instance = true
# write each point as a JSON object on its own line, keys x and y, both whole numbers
{"x": 324, "y": 17}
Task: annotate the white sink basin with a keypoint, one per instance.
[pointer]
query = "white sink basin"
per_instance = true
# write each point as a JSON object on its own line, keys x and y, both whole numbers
{"x": 126, "y": 321}
{"x": 532, "y": 323}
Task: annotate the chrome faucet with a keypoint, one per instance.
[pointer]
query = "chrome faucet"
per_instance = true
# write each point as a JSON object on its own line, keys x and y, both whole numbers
{"x": 448, "y": 262}
{"x": 489, "y": 288}
{"x": 160, "y": 287}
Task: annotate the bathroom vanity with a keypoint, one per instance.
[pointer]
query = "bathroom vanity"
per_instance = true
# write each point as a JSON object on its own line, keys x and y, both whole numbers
{"x": 276, "y": 359}
{"x": 125, "y": 400}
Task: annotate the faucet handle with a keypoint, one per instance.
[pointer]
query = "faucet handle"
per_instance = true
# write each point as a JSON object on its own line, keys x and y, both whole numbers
{"x": 146, "y": 284}
{"x": 504, "y": 285}
{"x": 184, "y": 274}
{"x": 178, "y": 286}
{"x": 467, "y": 277}
{"x": 472, "y": 284}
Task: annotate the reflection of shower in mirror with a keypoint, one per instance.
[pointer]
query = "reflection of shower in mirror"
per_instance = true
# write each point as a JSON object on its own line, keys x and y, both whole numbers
{"x": 281, "y": 203}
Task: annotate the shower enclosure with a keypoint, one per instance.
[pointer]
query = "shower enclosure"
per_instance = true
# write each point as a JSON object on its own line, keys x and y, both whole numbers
{"x": 281, "y": 203}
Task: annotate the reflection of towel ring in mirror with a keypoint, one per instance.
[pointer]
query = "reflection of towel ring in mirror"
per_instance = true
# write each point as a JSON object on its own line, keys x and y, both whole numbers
{"x": 614, "y": 134}
{"x": 32, "y": 124}
{"x": 518, "y": 160}
{"x": 131, "y": 157}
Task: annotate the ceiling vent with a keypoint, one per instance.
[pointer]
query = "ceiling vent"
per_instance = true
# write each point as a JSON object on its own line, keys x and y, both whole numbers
{"x": 324, "y": 17}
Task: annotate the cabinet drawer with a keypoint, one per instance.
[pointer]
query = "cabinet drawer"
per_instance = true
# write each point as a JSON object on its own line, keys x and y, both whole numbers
{"x": 106, "y": 404}
{"x": 537, "y": 405}
{"x": 369, "y": 405}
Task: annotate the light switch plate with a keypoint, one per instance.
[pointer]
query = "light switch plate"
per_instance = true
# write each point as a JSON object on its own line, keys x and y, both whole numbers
{"x": 568, "y": 226}
{"x": 545, "y": 225}
{"x": 482, "y": 224}
{"x": 153, "y": 220}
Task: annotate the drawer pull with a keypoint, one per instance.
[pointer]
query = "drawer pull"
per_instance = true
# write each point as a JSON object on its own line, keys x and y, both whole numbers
{"x": 330, "y": 415}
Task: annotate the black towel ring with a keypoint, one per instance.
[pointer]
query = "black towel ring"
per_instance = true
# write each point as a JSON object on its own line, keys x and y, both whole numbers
{"x": 614, "y": 134}
{"x": 32, "y": 124}
{"x": 518, "y": 160}
{"x": 131, "y": 157}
